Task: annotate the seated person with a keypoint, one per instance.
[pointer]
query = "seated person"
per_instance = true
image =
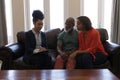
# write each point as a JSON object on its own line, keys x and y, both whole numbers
{"x": 67, "y": 44}
{"x": 91, "y": 51}
{"x": 36, "y": 45}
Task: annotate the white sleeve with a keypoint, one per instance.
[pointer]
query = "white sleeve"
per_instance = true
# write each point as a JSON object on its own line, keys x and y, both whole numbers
{"x": 35, "y": 51}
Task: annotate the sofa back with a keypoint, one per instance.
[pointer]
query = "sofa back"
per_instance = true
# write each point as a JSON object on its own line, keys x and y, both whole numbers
{"x": 51, "y": 36}
{"x": 21, "y": 37}
{"x": 103, "y": 34}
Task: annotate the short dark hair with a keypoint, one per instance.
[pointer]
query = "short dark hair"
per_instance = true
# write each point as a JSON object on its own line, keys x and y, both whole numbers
{"x": 37, "y": 14}
{"x": 86, "y": 22}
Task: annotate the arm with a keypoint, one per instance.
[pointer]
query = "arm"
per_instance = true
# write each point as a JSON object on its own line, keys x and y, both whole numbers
{"x": 72, "y": 55}
{"x": 29, "y": 43}
{"x": 59, "y": 43}
{"x": 62, "y": 54}
{"x": 59, "y": 46}
{"x": 91, "y": 45}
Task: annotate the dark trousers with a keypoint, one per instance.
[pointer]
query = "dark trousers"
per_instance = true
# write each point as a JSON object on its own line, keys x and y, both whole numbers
{"x": 39, "y": 60}
{"x": 86, "y": 60}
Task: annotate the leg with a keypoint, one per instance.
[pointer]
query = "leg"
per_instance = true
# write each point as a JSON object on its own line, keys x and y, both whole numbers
{"x": 40, "y": 60}
{"x": 47, "y": 61}
{"x": 79, "y": 61}
{"x": 84, "y": 61}
{"x": 100, "y": 58}
{"x": 70, "y": 64}
{"x": 87, "y": 60}
{"x": 59, "y": 64}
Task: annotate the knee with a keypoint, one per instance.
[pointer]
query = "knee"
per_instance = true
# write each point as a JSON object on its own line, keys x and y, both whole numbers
{"x": 87, "y": 56}
{"x": 59, "y": 58}
{"x": 78, "y": 57}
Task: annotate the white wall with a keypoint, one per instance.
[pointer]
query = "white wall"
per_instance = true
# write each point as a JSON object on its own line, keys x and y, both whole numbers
{"x": 18, "y": 16}
{"x": 74, "y": 8}
{"x": 18, "y": 13}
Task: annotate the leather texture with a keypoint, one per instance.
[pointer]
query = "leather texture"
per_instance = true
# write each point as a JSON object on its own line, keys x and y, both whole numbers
{"x": 103, "y": 34}
{"x": 17, "y": 50}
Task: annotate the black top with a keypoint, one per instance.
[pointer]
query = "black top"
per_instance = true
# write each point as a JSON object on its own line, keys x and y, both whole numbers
{"x": 30, "y": 42}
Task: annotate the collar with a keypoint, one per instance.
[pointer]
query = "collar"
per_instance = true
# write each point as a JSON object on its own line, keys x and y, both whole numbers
{"x": 34, "y": 31}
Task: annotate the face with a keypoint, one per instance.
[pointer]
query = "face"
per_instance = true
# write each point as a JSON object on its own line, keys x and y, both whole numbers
{"x": 68, "y": 25}
{"x": 38, "y": 25}
{"x": 80, "y": 26}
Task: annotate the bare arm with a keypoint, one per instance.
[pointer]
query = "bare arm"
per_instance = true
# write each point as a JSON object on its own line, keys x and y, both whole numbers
{"x": 62, "y": 54}
{"x": 59, "y": 48}
{"x": 80, "y": 52}
{"x": 77, "y": 52}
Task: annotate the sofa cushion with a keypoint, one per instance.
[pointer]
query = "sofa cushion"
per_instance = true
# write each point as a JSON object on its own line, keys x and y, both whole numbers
{"x": 51, "y": 36}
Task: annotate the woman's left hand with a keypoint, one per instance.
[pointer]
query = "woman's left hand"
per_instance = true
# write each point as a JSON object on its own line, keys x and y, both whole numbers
{"x": 73, "y": 55}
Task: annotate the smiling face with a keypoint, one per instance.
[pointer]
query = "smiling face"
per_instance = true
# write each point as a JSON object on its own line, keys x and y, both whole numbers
{"x": 38, "y": 25}
{"x": 69, "y": 24}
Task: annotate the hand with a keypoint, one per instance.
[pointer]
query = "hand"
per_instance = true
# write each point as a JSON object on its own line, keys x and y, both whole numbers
{"x": 64, "y": 56}
{"x": 42, "y": 49}
{"x": 73, "y": 55}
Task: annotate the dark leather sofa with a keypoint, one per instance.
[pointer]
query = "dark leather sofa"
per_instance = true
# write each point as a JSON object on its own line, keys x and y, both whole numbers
{"x": 14, "y": 52}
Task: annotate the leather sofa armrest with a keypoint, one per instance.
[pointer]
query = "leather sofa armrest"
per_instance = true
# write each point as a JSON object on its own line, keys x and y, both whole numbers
{"x": 17, "y": 50}
{"x": 111, "y": 48}
{"x": 114, "y": 55}
{"x": 6, "y": 57}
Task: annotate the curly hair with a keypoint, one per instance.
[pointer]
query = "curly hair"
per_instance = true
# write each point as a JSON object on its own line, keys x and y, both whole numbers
{"x": 86, "y": 22}
{"x": 37, "y": 14}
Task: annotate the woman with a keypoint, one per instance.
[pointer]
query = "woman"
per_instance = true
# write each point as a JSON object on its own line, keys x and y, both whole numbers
{"x": 36, "y": 45}
{"x": 91, "y": 51}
